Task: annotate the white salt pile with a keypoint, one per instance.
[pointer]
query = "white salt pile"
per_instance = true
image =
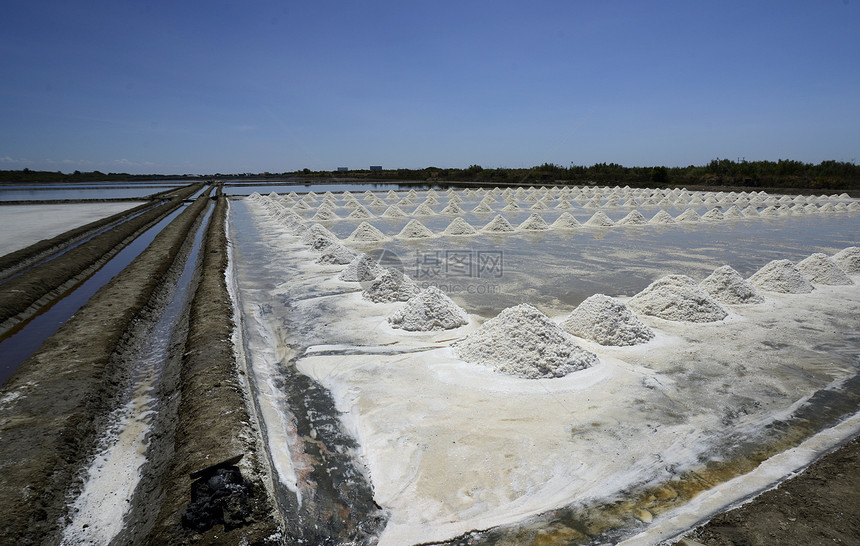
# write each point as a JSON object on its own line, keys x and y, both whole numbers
{"x": 360, "y": 212}
{"x": 688, "y": 216}
{"x": 848, "y": 259}
{"x": 750, "y": 211}
{"x": 534, "y": 223}
{"x": 634, "y": 218}
{"x": 524, "y": 342}
{"x": 452, "y": 208}
{"x": 336, "y": 253}
{"x": 363, "y": 267}
{"x": 483, "y": 206}
{"x": 423, "y": 210}
{"x": 391, "y": 285}
{"x": 822, "y": 270}
{"x": 781, "y": 276}
{"x": 415, "y": 230}
{"x": 539, "y": 205}
{"x": 566, "y": 221}
{"x": 458, "y": 226}
{"x": 677, "y": 298}
{"x": 318, "y": 237}
{"x": 713, "y": 215}
{"x": 430, "y": 310}
{"x": 365, "y": 233}
{"x": 599, "y": 219}
{"x": 662, "y": 217}
{"x": 324, "y": 214}
{"x": 607, "y": 321}
{"x": 512, "y": 206}
{"x": 733, "y": 212}
{"x": 394, "y": 212}
{"x": 727, "y": 286}
{"x": 498, "y": 225}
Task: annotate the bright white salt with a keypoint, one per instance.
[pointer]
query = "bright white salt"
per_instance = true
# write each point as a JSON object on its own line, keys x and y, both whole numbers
{"x": 391, "y": 285}
{"x": 727, "y": 286}
{"x": 820, "y": 269}
{"x": 458, "y": 226}
{"x": 498, "y": 225}
{"x": 848, "y": 259}
{"x": 366, "y": 233}
{"x": 607, "y": 321}
{"x": 431, "y": 309}
{"x": 336, "y": 253}
{"x": 781, "y": 276}
{"x": 534, "y": 223}
{"x": 318, "y": 237}
{"x": 362, "y": 268}
{"x": 677, "y": 298}
{"x": 415, "y": 230}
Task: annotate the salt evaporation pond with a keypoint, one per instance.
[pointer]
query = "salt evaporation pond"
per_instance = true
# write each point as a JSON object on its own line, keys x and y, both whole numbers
{"x": 451, "y": 447}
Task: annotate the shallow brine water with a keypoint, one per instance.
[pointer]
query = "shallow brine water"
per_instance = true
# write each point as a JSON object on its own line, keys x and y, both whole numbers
{"x": 451, "y": 447}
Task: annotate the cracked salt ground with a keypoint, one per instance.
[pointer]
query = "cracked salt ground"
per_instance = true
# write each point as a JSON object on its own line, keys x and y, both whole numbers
{"x": 441, "y": 457}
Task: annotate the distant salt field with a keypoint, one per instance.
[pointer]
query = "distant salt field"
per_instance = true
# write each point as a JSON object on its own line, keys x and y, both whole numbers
{"x": 489, "y": 417}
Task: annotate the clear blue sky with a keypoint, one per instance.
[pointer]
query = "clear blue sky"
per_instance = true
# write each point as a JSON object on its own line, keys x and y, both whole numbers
{"x": 203, "y": 87}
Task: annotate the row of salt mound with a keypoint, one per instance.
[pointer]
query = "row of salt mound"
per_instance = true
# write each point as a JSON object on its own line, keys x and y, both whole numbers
{"x": 523, "y": 342}
{"x": 429, "y": 310}
{"x": 677, "y": 298}
{"x": 728, "y": 286}
{"x": 607, "y": 321}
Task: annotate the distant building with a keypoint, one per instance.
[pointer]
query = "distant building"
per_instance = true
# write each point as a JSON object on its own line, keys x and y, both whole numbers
{"x": 343, "y": 169}
{"x": 376, "y": 167}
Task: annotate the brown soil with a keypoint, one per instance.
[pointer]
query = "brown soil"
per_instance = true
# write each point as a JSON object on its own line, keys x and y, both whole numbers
{"x": 819, "y": 506}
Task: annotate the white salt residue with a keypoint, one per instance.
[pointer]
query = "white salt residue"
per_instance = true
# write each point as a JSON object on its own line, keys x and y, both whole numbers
{"x": 678, "y": 298}
{"x": 781, "y": 276}
{"x": 599, "y": 219}
{"x": 415, "y": 230}
{"x": 365, "y": 233}
{"x": 318, "y": 237}
{"x": 524, "y": 342}
{"x": 848, "y": 259}
{"x": 362, "y": 268}
{"x": 452, "y": 208}
{"x": 391, "y": 285}
{"x": 431, "y": 309}
{"x": 822, "y": 270}
{"x": 498, "y": 225}
{"x": 394, "y": 212}
{"x": 688, "y": 215}
{"x": 566, "y": 221}
{"x": 634, "y": 218}
{"x": 713, "y": 215}
{"x": 607, "y": 321}
{"x": 336, "y": 253}
{"x": 727, "y": 286}
{"x": 423, "y": 210}
{"x": 458, "y": 226}
{"x": 662, "y": 217}
{"x": 534, "y": 223}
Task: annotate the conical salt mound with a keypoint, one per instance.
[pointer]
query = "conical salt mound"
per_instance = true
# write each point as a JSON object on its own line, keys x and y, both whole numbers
{"x": 365, "y": 233}
{"x": 337, "y": 254}
{"x": 727, "y": 286}
{"x": 770, "y": 211}
{"x": 318, "y": 237}
{"x": 780, "y": 276}
{"x": 524, "y": 342}
{"x": 394, "y": 212}
{"x": 301, "y": 205}
{"x": 688, "y": 216}
{"x": 607, "y": 321}
{"x": 391, "y": 194}
{"x": 423, "y": 210}
{"x": 751, "y": 211}
{"x": 430, "y": 310}
{"x": 848, "y": 259}
{"x": 564, "y": 204}
{"x": 635, "y": 218}
{"x": 431, "y": 200}
{"x": 414, "y": 230}
{"x": 534, "y": 223}
{"x": 484, "y": 207}
{"x": 324, "y": 214}
{"x": 361, "y": 213}
{"x": 539, "y": 205}
{"x": 662, "y": 217}
{"x": 363, "y": 267}
{"x": 376, "y": 202}
{"x": 599, "y": 219}
{"x": 391, "y": 285}
{"x": 733, "y": 212}
{"x": 498, "y": 225}
{"x": 512, "y": 206}
{"x": 713, "y": 215}
{"x": 566, "y": 221}
{"x": 452, "y": 208}
{"x": 677, "y": 298}
{"x": 458, "y": 226}
{"x": 820, "y": 269}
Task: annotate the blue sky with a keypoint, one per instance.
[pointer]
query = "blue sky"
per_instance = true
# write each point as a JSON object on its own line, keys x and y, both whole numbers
{"x": 205, "y": 87}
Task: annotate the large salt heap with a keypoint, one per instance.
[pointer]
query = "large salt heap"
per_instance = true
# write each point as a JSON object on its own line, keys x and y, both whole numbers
{"x": 415, "y": 230}
{"x": 727, "y": 286}
{"x": 318, "y": 237}
{"x": 678, "y": 298}
{"x": 458, "y": 226}
{"x": 363, "y": 267}
{"x": 607, "y": 321}
{"x": 566, "y": 221}
{"x": 534, "y": 223}
{"x": 498, "y": 225}
{"x": 524, "y": 342}
{"x": 848, "y": 259}
{"x": 336, "y": 253}
{"x": 431, "y": 309}
{"x": 820, "y": 269}
{"x": 391, "y": 285}
{"x": 781, "y": 276}
{"x": 366, "y": 233}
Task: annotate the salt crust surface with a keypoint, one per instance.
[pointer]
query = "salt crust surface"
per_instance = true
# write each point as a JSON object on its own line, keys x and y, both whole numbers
{"x": 362, "y": 268}
{"x": 848, "y": 259}
{"x": 780, "y": 276}
{"x": 524, "y": 342}
{"x": 430, "y": 310}
{"x": 820, "y": 269}
{"x": 607, "y": 321}
{"x": 391, "y": 285}
{"x": 678, "y": 298}
{"x": 728, "y": 286}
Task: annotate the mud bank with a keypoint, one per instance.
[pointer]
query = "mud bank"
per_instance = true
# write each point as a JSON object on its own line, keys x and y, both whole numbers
{"x": 53, "y": 407}
{"x": 214, "y": 426}
{"x": 22, "y": 296}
